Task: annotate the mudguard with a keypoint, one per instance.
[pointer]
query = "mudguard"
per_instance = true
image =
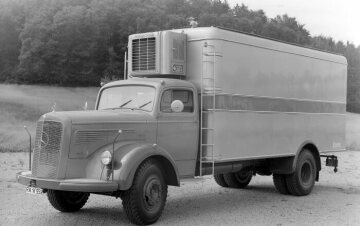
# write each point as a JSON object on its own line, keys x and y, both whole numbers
{"x": 287, "y": 165}
{"x": 127, "y": 158}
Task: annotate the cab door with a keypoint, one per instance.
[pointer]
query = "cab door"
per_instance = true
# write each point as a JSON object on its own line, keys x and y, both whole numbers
{"x": 178, "y": 132}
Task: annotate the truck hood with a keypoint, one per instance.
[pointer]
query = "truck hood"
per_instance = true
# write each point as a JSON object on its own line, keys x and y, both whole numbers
{"x": 102, "y": 116}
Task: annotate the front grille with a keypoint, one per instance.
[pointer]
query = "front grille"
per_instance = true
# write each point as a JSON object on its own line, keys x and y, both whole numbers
{"x": 47, "y": 149}
{"x": 144, "y": 54}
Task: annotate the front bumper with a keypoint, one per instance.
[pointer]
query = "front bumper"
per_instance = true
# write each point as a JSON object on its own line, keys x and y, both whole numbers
{"x": 79, "y": 185}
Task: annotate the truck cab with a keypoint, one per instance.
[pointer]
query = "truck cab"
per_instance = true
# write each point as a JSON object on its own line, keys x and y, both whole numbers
{"x": 160, "y": 114}
{"x": 172, "y": 105}
{"x": 135, "y": 122}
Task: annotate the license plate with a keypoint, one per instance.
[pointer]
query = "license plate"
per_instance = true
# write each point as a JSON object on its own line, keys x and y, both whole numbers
{"x": 33, "y": 190}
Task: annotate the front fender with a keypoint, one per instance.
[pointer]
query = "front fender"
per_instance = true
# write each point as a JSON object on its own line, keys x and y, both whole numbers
{"x": 131, "y": 156}
{"x": 128, "y": 157}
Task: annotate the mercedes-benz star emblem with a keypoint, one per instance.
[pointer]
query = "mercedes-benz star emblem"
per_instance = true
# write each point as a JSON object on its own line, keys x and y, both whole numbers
{"x": 44, "y": 139}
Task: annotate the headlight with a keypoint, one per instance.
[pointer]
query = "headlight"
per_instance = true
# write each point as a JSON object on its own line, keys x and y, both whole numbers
{"x": 106, "y": 157}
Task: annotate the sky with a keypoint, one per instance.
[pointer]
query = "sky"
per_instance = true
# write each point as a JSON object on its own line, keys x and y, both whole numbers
{"x": 339, "y": 19}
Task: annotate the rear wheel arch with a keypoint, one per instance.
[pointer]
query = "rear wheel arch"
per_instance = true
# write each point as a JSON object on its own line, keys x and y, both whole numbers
{"x": 287, "y": 165}
{"x": 314, "y": 151}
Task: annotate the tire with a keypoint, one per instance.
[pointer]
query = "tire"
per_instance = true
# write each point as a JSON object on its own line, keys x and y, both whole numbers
{"x": 67, "y": 201}
{"x": 219, "y": 179}
{"x": 239, "y": 179}
{"x": 280, "y": 183}
{"x": 145, "y": 200}
{"x": 302, "y": 181}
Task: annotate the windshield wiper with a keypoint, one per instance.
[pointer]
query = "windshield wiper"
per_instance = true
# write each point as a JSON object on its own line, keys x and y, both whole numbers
{"x": 145, "y": 104}
{"x": 132, "y": 108}
{"x": 121, "y": 106}
{"x": 125, "y": 103}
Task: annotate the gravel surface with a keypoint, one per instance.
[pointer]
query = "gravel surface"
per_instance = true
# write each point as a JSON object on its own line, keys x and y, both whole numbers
{"x": 335, "y": 200}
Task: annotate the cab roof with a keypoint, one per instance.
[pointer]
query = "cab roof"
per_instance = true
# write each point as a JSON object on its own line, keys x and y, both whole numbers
{"x": 156, "y": 82}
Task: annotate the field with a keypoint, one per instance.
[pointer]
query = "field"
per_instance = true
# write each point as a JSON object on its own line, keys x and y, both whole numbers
{"x": 23, "y": 105}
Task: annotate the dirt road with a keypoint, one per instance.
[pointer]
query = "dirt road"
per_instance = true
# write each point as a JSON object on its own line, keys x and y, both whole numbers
{"x": 335, "y": 200}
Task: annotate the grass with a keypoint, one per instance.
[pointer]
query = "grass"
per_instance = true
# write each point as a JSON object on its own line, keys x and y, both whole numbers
{"x": 23, "y": 105}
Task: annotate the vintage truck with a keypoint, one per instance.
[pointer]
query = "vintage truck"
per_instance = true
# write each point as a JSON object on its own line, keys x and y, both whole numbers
{"x": 195, "y": 102}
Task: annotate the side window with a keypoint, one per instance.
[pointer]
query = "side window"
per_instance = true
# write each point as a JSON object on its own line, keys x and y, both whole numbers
{"x": 185, "y": 96}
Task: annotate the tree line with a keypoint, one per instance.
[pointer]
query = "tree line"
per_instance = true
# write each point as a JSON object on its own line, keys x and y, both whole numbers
{"x": 78, "y": 42}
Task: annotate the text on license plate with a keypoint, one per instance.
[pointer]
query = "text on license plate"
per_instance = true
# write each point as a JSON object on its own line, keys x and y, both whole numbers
{"x": 33, "y": 190}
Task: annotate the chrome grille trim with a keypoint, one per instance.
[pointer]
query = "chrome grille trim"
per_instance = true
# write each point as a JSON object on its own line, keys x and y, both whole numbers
{"x": 144, "y": 54}
{"x": 47, "y": 149}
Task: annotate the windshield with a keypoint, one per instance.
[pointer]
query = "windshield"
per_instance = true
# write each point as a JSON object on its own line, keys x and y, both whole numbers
{"x": 127, "y": 97}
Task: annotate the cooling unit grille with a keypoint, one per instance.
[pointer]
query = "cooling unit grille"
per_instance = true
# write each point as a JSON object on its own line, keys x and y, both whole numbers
{"x": 144, "y": 54}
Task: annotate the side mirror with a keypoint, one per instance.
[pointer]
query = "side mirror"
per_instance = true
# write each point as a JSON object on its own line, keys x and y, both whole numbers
{"x": 177, "y": 106}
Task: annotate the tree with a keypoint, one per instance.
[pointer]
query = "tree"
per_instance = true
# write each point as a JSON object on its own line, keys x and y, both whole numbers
{"x": 287, "y": 29}
{"x": 11, "y": 20}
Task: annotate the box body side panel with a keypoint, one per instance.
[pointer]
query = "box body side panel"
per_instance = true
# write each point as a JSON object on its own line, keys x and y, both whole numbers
{"x": 252, "y": 135}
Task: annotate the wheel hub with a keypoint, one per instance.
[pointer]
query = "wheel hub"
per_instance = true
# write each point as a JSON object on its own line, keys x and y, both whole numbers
{"x": 305, "y": 173}
{"x": 152, "y": 193}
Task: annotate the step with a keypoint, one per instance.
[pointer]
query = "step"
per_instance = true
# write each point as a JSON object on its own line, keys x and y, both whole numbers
{"x": 208, "y": 78}
{"x": 213, "y": 54}
{"x": 211, "y": 89}
{"x": 209, "y": 110}
{"x": 207, "y": 153}
{"x": 207, "y": 144}
{"x": 209, "y": 159}
{"x": 208, "y": 92}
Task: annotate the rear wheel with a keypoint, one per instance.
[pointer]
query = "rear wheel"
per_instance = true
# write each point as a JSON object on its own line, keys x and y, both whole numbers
{"x": 280, "y": 183}
{"x": 219, "y": 179}
{"x": 239, "y": 179}
{"x": 145, "y": 200}
{"x": 67, "y": 201}
{"x": 302, "y": 181}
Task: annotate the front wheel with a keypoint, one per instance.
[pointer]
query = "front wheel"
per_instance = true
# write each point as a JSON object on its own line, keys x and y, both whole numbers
{"x": 67, "y": 201}
{"x": 145, "y": 200}
{"x": 302, "y": 181}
